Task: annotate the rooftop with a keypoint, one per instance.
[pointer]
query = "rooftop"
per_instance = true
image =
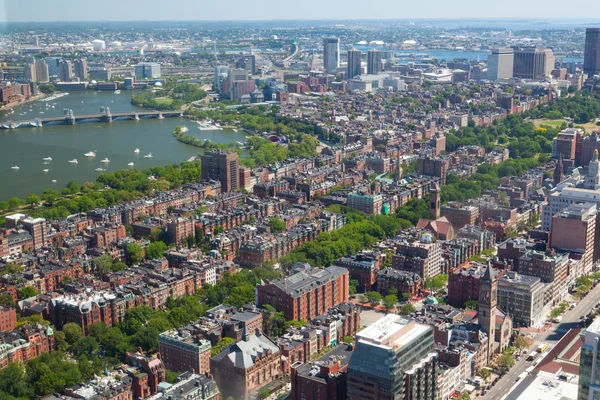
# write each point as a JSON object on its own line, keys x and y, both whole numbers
{"x": 392, "y": 331}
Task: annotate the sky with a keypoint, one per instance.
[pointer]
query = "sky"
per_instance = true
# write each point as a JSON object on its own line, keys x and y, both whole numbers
{"x": 129, "y": 10}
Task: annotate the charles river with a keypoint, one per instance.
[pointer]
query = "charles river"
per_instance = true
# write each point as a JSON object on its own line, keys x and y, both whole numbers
{"x": 26, "y": 147}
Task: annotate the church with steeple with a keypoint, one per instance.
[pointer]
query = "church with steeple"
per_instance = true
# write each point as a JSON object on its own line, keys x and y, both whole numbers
{"x": 496, "y": 324}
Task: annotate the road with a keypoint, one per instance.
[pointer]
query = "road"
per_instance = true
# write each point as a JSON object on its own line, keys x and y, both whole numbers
{"x": 552, "y": 336}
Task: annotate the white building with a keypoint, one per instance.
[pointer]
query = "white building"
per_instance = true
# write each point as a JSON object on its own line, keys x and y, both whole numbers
{"x": 99, "y": 45}
{"x": 500, "y": 64}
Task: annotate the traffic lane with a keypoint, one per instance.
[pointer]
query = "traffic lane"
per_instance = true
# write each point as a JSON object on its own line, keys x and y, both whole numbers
{"x": 509, "y": 379}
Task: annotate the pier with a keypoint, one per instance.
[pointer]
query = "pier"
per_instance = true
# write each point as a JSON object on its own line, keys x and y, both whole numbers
{"x": 71, "y": 119}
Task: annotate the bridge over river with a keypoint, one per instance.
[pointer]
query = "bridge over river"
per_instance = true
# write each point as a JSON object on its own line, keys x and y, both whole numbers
{"x": 71, "y": 119}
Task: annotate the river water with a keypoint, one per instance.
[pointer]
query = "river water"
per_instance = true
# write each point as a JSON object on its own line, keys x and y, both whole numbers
{"x": 26, "y": 147}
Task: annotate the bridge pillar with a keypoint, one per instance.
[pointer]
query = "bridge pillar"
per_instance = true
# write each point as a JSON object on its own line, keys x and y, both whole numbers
{"x": 13, "y": 125}
{"x": 39, "y": 123}
{"x": 71, "y": 118}
{"x": 160, "y": 116}
{"x": 136, "y": 116}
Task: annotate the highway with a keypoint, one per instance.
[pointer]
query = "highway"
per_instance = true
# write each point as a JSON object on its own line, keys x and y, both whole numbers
{"x": 552, "y": 336}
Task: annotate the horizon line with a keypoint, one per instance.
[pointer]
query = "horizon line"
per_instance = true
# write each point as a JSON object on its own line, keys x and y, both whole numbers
{"x": 494, "y": 19}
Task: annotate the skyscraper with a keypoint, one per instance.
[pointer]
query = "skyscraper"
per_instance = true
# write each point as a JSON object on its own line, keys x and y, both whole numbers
{"x": 589, "y": 378}
{"x": 591, "y": 57}
{"x": 65, "y": 70}
{"x": 354, "y": 61}
{"x": 394, "y": 357}
{"x": 532, "y": 63}
{"x": 221, "y": 166}
{"x": 52, "y": 65}
{"x": 41, "y": 71}
{"x": 331, "y": 54}
{"x": 80, "y": 69}
{"x": 373, "y": 62}
{"x": 500, "y": 64}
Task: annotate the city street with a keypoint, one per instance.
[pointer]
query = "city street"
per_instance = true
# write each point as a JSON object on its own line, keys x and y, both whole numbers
{"x": 552, "y": 336}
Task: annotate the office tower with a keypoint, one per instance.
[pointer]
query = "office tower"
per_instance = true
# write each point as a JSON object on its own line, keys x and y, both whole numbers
{"x": 52, "y": 65}
{"x": 41, "y": 71}
{"x": 147, "y": 70}
{"x": 500, "y": 64}
{"x": 395, "y": 358}
{"x": 532, "y": 63}
{"x": 220, "y": 75}
{"x": 373, "y": 62}
{"x": 589, "y": 376}
{"x": 65, "y": 70}
{"x": 488, "y": 296}
{"x": 354, "y": 60}
{"x": 591, "y": 57}
{"x": 247, "y": 62}
{"x": 331, "y": 54}
{"x": 221, "y": 166}
{"x": 233, "y": 75}
{"x": 80, "y": 69}
{"x": 575, "y": 230}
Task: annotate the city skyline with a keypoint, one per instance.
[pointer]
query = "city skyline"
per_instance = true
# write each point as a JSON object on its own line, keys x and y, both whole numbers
{"x": 70, "y": 10}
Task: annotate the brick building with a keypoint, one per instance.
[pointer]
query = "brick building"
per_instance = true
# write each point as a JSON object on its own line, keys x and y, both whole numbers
{"x": 307, "y": 293}
{"x": 8, "y": 318}
{"x": 247, "y": 365}
{"x": 182, "y": 350}
{"x": 402, "y": 281}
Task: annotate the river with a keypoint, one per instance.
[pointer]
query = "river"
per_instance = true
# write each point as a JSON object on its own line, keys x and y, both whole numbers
{"x": 26, "y": 147}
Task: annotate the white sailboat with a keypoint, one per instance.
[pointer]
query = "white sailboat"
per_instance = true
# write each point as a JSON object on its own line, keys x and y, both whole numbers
{"x": 74, "y": 161}
{"x": 149, "y": 155}
{"x": 136, "y": 151}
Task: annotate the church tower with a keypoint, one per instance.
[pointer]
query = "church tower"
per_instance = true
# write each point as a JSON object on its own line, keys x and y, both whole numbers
{"x": 435, "y": 195}
{"x": 488, "y": 292}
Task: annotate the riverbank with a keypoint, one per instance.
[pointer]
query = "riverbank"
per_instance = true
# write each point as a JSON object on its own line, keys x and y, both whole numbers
{"x": 30, "y": 99}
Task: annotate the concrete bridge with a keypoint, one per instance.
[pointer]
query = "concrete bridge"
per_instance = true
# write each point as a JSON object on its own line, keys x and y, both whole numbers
{"x": 71, "y": 119}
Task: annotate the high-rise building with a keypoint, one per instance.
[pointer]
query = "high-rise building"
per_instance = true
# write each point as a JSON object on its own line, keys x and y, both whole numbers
{"x": 500, "y": 64}
{"x": 532, "y": 63}
{"x": 220, "y": 75}
{"x": 80, "y": 69}
{"x": 394, "y": 359}
{"x": 591, "y": 56}
{"x": 41, "y": 71}
{"x": 52, "y": 65}
{"x": 233, "y": 75}
{"x": 354, "y": 63}
{"x": 147, "y": 70}
{"x": 589, "y": 374}
{"x": 247, "y": 62}
{"x": 373, "y": 62}
{"x": 65, "y": 70}
{"x": 29, "y": 72}
{"x": 575, "y": 230}
{"x": 331, "y": 54}
{"x": 221, "y": 166}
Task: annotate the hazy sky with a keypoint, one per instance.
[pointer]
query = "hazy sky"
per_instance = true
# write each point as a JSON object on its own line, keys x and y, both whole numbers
{"x": 127, "y": 10}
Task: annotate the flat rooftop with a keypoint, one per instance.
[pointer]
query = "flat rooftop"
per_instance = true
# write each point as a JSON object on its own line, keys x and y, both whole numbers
{"x": 392, "y": 331}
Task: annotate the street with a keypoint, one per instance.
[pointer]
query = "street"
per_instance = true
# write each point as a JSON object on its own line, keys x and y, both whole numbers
{"x": 552, "y": 336}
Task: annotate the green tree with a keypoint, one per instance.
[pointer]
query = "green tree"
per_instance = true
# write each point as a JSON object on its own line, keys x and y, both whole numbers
{"x": 485, "y": 373}
{"x": 390, "y": 301}
{"x": 26, "y": 292}
{"x": 73, "y": 333}
{"x": 276, "y": 225}
{"x": 407, "y": 309}
{"x": 472, "y": 304}
{"x": 522, "y": 342}
{"x": 218, "y": 230}
{"x": 11, "y": 268}
{"x": 134, "y": 253}
{"x": 6, "y": 300}
{"x": 505, "y": 361}
{"x": 374, "y": 297}
{"x": 33, "y": 199}
{"x": 12, "y": 381}
{"x": 436, "y": 283}
{"x": 348, "y": 339}
{"x": 14, "y": 203}
{"x": 156, "y": 250}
